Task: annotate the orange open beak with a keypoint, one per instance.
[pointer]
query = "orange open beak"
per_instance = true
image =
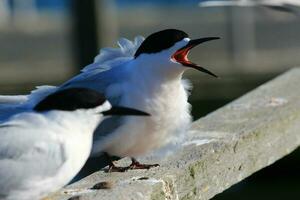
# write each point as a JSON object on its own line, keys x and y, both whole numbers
{"x": 181, "y": 54}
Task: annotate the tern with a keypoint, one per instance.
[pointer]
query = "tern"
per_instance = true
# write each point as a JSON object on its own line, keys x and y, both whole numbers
{"x": 145, "y": 74}
{"x": 43, "y": 149}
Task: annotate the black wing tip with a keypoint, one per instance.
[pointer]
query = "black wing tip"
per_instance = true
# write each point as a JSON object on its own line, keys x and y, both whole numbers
{"x": 119, "y": 110}
{"x": 214, "y": 38}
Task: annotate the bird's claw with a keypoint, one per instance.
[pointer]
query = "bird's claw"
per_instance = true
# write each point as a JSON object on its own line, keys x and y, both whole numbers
{"x": 134, "y": 165}
{"x": 113, "y": 168}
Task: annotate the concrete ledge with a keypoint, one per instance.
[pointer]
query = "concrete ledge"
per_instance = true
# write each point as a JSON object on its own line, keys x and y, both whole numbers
{"x": 222, "y": 149}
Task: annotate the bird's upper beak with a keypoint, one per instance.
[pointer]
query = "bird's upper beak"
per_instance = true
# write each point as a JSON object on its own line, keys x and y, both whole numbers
{"x": 118, "y": 110}
{"x": 181, "y": 54}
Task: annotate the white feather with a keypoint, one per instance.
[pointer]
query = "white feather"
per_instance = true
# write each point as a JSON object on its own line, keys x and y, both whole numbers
{"x": 42, "y": 152}
{"x": 109, "y": 57}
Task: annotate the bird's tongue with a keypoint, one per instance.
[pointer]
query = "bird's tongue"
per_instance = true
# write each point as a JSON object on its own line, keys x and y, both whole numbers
{"x": 181, "y": 56}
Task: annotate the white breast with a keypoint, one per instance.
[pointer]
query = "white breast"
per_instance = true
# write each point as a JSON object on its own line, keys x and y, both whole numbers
{"x": 169, "y": 109}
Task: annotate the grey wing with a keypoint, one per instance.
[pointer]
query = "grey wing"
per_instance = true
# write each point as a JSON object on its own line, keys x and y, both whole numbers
{"x": 13, "y": 99}
{"x": 25, "y": 155}
{"x": 100, "y": 79}
{"x": 6, "y": 111}
{"x": 34, "y": 96}
{"x": 11, "y": 105}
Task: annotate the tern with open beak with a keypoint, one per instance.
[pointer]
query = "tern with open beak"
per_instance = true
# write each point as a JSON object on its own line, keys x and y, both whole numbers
{"x": 145, "y": 74}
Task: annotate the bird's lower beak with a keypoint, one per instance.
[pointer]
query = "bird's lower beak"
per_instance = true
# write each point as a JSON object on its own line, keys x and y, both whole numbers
{"x": 181, "y": 54}
{"x": 118, "y": 110}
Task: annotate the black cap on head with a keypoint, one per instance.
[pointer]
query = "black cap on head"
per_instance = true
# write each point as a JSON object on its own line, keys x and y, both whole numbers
{"x": 161, "y": 40}
{"x": 71, "y": 99}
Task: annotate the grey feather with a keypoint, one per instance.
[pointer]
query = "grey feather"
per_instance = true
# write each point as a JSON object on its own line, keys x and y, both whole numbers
{"x": 18, "y": 159}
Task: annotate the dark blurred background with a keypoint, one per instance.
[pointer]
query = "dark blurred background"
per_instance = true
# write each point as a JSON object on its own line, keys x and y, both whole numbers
{"x": 48, "y": 41}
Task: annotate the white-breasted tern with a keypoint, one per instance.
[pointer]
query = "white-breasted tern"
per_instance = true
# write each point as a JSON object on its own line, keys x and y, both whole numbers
{"x": 145, "y": 74}
{"x": 43, "y": 149}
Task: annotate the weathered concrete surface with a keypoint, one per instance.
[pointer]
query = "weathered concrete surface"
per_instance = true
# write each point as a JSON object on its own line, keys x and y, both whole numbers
{"x": 222, "y": 149}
